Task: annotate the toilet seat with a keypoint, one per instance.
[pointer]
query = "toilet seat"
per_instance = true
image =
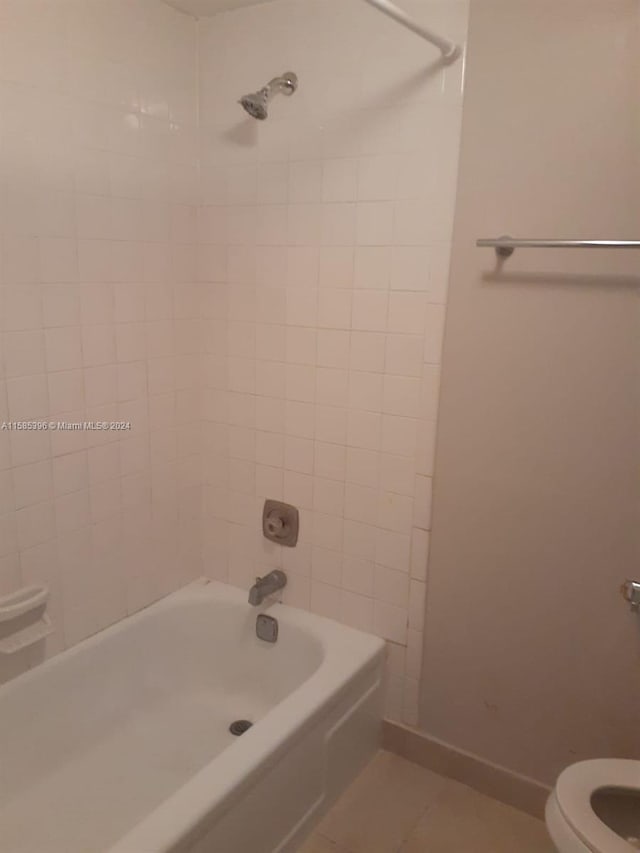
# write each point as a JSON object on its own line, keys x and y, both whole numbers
{"x": 573, "y": 792}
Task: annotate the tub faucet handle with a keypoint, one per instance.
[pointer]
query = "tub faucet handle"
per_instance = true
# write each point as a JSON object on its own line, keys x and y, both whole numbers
{"x": 631, "y": 592}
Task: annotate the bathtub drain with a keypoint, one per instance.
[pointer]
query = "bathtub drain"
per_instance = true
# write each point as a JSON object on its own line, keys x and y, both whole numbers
{"x": 239, "y": 727}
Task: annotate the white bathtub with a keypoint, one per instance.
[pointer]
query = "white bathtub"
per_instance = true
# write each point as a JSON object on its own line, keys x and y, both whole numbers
{"x": 121, "y": 744}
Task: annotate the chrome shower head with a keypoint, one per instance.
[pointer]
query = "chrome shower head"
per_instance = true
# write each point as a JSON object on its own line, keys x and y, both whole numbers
{"x": 257, "y": 103}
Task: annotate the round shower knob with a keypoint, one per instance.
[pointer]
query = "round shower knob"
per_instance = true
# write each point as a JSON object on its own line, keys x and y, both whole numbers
{"x": 275, "y": 524}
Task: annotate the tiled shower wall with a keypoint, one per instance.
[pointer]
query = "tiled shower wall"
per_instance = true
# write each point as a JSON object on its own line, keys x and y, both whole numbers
{"x": 324, "y": 242}
{"x": 99, "y": 307}
{"x": 305, "y": 298}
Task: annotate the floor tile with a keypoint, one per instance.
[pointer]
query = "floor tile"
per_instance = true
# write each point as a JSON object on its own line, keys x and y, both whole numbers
{"x": 382, "y": 807}
{"x": 463, "y": 821}
{"x": 320, "y": 844}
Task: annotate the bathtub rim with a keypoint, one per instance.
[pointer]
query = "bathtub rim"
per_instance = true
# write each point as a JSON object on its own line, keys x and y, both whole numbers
{"x": 347, "y": 654}
{"x": 183, "y": 817}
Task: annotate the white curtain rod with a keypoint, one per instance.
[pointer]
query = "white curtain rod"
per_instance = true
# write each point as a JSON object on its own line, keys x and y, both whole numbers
{"x": 450, "y": 50}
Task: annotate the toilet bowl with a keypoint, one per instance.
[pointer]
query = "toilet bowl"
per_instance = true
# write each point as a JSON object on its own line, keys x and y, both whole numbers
{"x": 595, "y": 807}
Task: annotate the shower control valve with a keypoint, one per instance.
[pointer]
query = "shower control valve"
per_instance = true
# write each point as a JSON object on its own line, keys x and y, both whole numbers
{"x": 280, "y": 523}
{"x": 274, "y": 523}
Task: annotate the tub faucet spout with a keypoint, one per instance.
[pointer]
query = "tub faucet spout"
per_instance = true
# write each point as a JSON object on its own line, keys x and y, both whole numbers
{"x": 267, "y": 585}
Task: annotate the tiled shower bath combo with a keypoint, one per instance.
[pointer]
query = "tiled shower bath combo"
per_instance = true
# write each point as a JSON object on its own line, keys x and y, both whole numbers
{"x": 287, "y": 566}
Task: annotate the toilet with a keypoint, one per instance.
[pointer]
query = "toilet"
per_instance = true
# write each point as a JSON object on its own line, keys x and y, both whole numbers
{"x": 595, "y": 807}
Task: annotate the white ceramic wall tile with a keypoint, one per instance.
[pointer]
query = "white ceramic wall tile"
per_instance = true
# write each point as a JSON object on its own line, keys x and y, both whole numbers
{"x": 351, "y": 196}
{"x": 280, "y": 284}
{"x": 93, "y": 204}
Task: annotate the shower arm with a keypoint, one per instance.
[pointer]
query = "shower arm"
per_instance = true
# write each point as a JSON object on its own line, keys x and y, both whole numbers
{"x": 285, "y": 84}
{"x": 450, "y": 50}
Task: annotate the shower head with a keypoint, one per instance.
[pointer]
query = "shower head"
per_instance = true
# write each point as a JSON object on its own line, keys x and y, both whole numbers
{"x": 257, "y": 103}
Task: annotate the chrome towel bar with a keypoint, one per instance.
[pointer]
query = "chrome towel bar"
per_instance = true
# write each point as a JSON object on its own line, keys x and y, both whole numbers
{"x": 505, "y": 246}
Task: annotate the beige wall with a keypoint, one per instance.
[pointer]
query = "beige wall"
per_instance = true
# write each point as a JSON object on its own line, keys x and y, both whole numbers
{"x": 532, "y": 660}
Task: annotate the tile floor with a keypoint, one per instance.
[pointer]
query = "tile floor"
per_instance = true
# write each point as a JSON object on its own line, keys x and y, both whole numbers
{"x": 395, "y": 806}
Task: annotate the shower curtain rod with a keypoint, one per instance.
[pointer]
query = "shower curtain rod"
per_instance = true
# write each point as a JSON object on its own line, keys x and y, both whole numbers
{"x": 450, "y": 50}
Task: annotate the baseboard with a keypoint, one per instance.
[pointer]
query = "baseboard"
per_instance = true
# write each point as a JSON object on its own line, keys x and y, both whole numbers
{"x": 490, "y": 779}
